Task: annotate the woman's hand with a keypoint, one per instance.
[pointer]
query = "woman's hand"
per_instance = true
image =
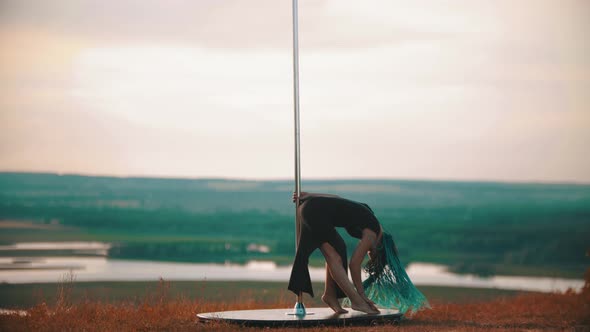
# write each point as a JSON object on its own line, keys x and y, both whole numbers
{"x": 305, "y": 195}
{"x": 301, "y": 197}
{"x": 369, "y": 302}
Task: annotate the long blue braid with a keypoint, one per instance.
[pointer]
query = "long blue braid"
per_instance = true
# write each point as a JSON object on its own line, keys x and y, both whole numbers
{"x": 388, "y": 284}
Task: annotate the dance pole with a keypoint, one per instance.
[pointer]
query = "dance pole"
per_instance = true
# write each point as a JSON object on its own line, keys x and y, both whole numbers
{"x": 299, "y": 307}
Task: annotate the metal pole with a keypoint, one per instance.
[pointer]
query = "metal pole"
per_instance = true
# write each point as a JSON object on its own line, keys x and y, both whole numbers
{"x": 296, "y": 113}
{"x": 299, "y": 307}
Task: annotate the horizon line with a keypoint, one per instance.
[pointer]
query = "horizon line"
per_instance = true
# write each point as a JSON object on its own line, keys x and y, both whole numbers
{"x": 255, "y": 179}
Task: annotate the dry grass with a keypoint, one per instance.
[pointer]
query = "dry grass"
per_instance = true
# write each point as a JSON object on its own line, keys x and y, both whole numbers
{"x": 526, "y": 312}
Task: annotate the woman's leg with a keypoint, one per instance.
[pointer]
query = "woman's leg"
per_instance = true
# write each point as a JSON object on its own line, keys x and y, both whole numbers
{"x": 330, "y": 296}
{"x": 332, "y": 292}
{"x": 340, "y": 276}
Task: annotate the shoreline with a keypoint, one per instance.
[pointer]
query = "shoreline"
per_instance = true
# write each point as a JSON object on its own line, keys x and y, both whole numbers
{"x": 102, "y": 269}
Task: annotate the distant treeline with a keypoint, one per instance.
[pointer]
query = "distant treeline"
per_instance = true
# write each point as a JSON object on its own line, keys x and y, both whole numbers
{"x": 484, "y": 228}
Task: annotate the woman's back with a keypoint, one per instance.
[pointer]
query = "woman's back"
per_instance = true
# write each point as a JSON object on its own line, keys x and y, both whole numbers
{"x": 322, "y": 212}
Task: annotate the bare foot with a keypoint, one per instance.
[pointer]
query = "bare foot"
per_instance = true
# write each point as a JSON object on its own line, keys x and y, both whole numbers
{"x": 364, "y": 307}
{"x": 333, "y": 303}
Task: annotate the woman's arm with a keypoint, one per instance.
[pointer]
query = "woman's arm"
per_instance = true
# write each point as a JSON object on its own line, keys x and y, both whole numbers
{"x": 366, "y": 243}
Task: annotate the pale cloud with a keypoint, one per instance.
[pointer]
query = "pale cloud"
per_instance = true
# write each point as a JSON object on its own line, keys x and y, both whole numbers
{"x": 456, "y": 89}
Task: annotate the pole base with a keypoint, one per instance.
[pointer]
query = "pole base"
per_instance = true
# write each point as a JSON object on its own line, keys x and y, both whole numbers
{"x": 314, "y": 317}
{"x": 299, "y": 309}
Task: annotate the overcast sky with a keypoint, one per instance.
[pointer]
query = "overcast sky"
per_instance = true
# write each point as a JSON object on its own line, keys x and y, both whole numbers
{"x": 459, "y": 90}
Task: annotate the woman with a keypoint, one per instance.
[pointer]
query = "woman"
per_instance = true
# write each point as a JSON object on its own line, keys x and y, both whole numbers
{"x": 320, "y": 214}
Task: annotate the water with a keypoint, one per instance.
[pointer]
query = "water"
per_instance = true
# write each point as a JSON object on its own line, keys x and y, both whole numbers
{"x": 18, "y": 270}
{"x": 71, "y": 245}
{"x": 75, "y": 247}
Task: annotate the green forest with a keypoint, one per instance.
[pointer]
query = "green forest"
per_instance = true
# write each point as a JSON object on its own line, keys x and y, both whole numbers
{"x": 484, "y": 228}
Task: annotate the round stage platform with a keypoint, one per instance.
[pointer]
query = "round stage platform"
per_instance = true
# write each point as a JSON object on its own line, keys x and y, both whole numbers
{"x": 314, "y": 317}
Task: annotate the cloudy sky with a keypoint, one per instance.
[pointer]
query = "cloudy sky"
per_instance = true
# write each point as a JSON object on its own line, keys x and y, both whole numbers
{"x": 461, "y": 89}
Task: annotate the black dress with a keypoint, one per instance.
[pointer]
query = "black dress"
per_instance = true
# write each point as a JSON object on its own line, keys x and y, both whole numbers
{"x": 320, "y": 217}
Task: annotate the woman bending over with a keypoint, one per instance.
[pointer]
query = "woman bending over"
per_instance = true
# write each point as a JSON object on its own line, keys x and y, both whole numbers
{"x": 387, "y": 286}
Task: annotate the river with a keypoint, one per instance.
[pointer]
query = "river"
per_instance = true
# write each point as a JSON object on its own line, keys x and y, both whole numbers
{"x": 18, "y": 270}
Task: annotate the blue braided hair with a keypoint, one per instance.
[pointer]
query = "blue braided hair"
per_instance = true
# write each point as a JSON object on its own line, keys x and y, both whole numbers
{"x": 388, "y": 284}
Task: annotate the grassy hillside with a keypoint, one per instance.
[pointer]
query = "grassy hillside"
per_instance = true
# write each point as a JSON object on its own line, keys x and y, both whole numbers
{"x": 163, "y": 308}
{"x": 485, "y": 228}
{"x": 24, "y": 296}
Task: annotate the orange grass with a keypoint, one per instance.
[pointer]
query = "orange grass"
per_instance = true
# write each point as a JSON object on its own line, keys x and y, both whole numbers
{"x": 569, "y": 311}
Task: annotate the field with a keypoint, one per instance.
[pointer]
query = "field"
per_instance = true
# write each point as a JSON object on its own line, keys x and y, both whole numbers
{"x": 472, "y": 227}
{"x": 482, "y": 228}
{"x": 23, "y": 296}
{"x": 173, "y": 306}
